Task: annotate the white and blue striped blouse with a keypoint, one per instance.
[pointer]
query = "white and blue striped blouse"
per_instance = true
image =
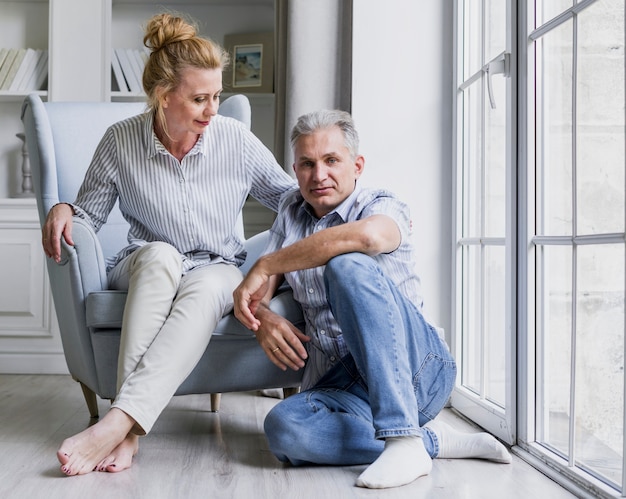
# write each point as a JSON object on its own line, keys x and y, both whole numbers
{"x": 193, "y": 204}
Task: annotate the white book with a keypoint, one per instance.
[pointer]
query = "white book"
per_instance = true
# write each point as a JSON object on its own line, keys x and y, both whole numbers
{"x": 3, "y": 55}
{"x": 145, "y": 55}
{"x": 6, "y": 65}
{"x": 118, "y": 74}
{"x": 23, "y": 71}
{"x": 9, "y": 75}
{"x": 138, "y": 64}
{"x": 29, "y": 73}
{"x": 128, "y": 71}
{"x": 40, "y": 73}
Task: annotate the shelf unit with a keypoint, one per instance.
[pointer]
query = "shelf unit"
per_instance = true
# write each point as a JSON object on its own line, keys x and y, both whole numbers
{"x": 80, "y": 64}
{"x": 17, "y": 19}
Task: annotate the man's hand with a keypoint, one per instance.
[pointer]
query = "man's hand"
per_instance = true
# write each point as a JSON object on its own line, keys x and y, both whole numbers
{"x": 281, "y": 340}
{"x": 58, "y": 224}
{"x": 248, "y": 296}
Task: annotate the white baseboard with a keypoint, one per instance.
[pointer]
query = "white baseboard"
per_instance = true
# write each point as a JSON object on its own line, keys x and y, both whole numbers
{"x": 32, "y": 363}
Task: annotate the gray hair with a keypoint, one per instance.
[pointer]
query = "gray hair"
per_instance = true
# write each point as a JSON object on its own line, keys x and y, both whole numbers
{"x": 310, "y": 123}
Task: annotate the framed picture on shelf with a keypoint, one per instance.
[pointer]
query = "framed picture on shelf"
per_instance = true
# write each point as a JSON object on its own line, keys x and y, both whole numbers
{"x": 251, "y": 66}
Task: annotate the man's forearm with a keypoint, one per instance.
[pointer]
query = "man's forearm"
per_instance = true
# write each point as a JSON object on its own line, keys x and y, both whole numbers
{"x": 371, "y": 236}
{"x": 307, "y": 253}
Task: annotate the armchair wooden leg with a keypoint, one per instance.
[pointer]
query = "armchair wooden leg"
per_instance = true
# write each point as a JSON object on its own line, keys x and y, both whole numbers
{"x": 216, "y": 398}
{"x": 92, "y": 401}
{"x": 288, "y": 392}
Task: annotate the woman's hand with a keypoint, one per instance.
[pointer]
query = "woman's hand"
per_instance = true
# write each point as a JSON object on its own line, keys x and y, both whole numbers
{"x": 58, "y": 224}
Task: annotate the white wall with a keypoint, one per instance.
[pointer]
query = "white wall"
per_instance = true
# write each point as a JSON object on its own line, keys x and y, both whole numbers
{"x": 401, "y": 102}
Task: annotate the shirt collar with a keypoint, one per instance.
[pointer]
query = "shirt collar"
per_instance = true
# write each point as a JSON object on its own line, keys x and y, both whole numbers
{"x": 342, "y": 211}
{"x": 150, "y": 137}
{"x": 154, "y": 145}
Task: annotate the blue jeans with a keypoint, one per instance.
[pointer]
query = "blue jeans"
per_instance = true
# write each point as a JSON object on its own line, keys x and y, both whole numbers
{"x": 397, "y": 377}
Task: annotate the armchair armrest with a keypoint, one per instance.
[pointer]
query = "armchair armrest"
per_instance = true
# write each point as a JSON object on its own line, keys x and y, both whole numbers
{"x": 81, "y": 271}
{"x": 255, "y": 246}
{"x": 87, "y": 257}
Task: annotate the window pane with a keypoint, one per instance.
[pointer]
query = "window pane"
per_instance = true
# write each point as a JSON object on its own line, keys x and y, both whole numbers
{"x": 495, "y": 35}
{"x": 495, "y": 324}
{"x": 554, "y": 154}
{"x": 484, "y": 39}
{"x": 554, "y": 337}
{"x": 549, "y": 9}
{"x": 600, "y": 118}
{"x": 472, "y": 38}
{"x": 486, "y": 201}
{"x": 472, "y": 161}
{"x": 495, "y": 160}
{"x": 600, "y": 359}
{"x": 484, "y": 267}
{"x": 472, "y": 321}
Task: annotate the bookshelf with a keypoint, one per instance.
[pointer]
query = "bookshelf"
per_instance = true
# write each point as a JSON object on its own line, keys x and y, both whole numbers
{"x": 23, "y": 25}
{"x": 80, "y": 65}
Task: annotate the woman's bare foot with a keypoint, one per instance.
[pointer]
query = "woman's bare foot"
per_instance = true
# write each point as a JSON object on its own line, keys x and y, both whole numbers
{"x": 81, "y": 453}
{"x": 122, "y": 456}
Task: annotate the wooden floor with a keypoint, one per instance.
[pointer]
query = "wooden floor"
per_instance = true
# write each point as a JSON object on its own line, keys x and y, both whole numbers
{"x": 192, "y": 452}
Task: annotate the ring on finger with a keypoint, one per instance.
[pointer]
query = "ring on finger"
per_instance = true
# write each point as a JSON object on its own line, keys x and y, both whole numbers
{"x": 275, "y": 349}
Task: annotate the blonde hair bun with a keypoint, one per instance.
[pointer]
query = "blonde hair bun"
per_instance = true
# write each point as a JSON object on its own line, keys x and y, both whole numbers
{"x": 164, "y": 29}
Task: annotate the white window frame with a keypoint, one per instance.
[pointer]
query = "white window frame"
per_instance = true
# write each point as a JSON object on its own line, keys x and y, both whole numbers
{"x": 516, "y": 424}
{"x": 500, "y": 422}
{"x": 564, "y": 472}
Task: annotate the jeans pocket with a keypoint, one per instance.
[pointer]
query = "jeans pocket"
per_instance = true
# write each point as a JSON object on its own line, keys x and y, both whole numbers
{"x": 433, "y": 385}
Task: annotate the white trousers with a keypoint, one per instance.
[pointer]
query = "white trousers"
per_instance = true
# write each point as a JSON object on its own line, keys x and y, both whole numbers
{"x": 168, "y": 322}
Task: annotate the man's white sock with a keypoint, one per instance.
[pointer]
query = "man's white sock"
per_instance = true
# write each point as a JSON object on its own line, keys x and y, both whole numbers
{"x": 454, "y": 444}
{"x": 403, "y": 460}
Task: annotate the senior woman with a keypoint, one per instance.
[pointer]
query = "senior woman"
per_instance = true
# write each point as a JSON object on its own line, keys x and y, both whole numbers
{"x": 181, "y": 174}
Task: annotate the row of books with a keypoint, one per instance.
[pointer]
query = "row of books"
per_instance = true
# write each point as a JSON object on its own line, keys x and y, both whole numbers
{"x": 127, "y": 66}
{"x": 23, "y": 70}
{"x": 26, "y": 69}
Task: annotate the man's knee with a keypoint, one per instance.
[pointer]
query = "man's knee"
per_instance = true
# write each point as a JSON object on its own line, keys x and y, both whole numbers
{"x": 347, "y": 268}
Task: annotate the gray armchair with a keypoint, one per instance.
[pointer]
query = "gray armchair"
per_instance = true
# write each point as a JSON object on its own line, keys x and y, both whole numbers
{"x": 61, "y": 138}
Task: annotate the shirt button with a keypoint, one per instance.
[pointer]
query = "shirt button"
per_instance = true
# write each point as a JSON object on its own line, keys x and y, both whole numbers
{"x": 333, "y": 358}
{"x": 322, "y": 332}
{"x": 311, "y": 291}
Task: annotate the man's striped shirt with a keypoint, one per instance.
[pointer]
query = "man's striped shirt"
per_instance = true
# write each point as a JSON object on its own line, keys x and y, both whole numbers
{"x": 296, "y": 221}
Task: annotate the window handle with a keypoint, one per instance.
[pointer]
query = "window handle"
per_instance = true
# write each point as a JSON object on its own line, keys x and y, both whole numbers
{"x": 498, "y": 65}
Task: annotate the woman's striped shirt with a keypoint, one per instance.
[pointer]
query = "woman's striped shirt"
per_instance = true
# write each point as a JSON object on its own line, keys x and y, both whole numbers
{"x": 193, "y": 204}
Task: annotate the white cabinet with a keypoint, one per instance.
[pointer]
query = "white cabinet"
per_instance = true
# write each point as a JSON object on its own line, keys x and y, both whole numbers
{"x": 29, "y": 334}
